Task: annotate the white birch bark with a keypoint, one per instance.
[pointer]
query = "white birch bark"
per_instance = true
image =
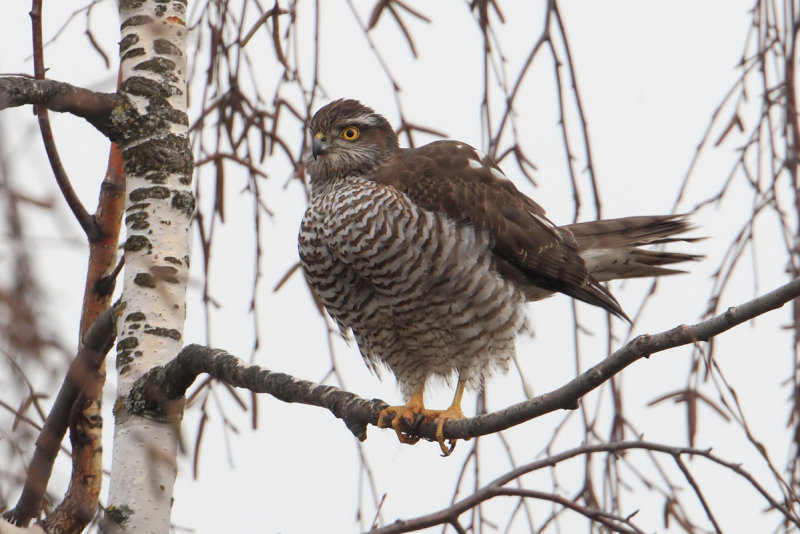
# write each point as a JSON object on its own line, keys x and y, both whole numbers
{"x": 158, "y": 212}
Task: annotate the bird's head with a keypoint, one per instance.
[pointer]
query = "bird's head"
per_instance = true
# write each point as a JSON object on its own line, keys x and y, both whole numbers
{"x": 348, "y": 139}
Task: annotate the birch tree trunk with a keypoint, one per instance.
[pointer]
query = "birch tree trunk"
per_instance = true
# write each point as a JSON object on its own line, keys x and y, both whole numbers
{"x": 158, "y": 211}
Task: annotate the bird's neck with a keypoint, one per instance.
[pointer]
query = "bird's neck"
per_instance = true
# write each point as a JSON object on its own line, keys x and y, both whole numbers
{"x": 326, "y": 176}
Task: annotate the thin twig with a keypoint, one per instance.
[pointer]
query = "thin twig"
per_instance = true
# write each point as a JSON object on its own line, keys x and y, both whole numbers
{"x": 84, "y": 219}
{"x": 496, "y": 487}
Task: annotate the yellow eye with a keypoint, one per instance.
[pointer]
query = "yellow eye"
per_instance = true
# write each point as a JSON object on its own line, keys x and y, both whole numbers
{"x": 350, "y": 133}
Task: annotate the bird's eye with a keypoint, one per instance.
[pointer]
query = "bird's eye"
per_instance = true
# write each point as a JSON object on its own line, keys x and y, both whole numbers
{"x": 350, "y": 133}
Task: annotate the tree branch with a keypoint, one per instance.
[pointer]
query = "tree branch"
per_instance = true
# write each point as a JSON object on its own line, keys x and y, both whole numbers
{"x": 618, "y": 524}
{"x": 79, "y": 505}
{"x": 566, "y": 397}
{"x": 155, "y": 392}
{"x": 59, "y": 173}
{"x": 101, "y": 110}
{"x": 96, "y": 343}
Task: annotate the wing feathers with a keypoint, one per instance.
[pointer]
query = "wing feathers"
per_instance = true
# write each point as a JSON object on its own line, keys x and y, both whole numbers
{"x": 529, "y": 249}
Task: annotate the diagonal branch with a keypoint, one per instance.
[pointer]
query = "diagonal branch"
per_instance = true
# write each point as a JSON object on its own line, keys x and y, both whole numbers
{"x": 566, "y": 397}
{"x": 96, "y": 343}
{"x": 156, "y": 393}
{"x": 618, "y": 524}
{"x": 79, "y": 505}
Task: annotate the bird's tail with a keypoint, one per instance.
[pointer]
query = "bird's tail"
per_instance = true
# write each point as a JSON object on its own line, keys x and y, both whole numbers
{"x": 611, "y": 250}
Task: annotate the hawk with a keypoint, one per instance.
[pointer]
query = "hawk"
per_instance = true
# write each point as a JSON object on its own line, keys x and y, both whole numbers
{"x": 429, "y": 255}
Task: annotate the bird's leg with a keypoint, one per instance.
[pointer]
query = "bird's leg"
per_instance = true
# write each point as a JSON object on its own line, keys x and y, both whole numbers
{"x": 414, "y": 407}
{"x": 394, "y": 416}
{"x": 453, "y": 412}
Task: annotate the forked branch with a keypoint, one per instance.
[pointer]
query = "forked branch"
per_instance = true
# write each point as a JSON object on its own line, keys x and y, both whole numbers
{"x": 613, "y": 523}
{"x": 96, "y": 343}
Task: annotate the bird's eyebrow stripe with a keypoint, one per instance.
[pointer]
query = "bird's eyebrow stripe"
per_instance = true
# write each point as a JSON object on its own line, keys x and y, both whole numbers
{"x": 364, "y": 120}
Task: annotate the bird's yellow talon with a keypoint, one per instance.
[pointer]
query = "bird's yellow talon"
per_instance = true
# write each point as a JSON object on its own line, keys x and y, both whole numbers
{"x": 453, "y": 412}
{"x": 395, "y": 416}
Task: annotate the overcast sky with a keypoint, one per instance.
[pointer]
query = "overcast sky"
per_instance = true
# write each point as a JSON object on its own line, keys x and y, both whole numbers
{"x": 651, "y": 74}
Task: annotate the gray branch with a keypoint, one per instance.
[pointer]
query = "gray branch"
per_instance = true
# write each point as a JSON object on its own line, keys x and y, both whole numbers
{"x": 108, "y": 112}
{"x": 155, "y": 392}
{"x": 162, "y": 386}
{"x": 498, "y": 487}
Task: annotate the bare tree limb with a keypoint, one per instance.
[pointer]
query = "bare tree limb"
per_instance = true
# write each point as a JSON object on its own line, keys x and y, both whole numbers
{"x": 617, "y": 524}
{"x": 79, "y": 505}
{"x": 101, "y": 110}
{"x": 96, "y": 343}
{"x": 156, "y": 390}
{"x": 59, "y": 173}
{"x": 164, "y": 385}
{"x": 698, "y": 492}
{"x": 642, "y": 346}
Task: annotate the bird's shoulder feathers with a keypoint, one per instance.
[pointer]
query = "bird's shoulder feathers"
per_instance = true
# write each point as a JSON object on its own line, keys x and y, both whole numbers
{"x": 452, "y": 178}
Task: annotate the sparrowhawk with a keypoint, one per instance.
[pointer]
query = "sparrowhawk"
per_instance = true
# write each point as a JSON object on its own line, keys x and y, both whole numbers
{"x": 429, "y": 255}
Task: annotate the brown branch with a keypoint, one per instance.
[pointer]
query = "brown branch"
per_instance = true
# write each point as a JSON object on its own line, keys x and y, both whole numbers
{"x": 642, "y": 346}
{"x": 60, "y": 174}
{"x": 103, "y": 268}
{"x": 584, "y": 127}
{"x": 79, "y": 505}
{"x": 611, "y": 521}
{"x": 619, "y": 524}
{"x": 155, "y": 392}
{"x": 96, "y": 343}
{"x": 79, "y": 400}
{"x": 696, "y": 488}
{"x": 101, "y": 110}
{"x": 494, "y": 141}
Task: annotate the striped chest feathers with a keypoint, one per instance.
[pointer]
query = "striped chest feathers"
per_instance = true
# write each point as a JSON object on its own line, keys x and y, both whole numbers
{"x": 377, "y": 261}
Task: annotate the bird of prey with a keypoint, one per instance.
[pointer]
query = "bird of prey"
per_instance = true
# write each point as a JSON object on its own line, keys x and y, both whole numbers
{"x": 429, "y": 255}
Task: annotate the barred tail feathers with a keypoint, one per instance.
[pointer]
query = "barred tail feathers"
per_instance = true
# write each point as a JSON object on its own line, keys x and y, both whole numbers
{"x": 611, "y": 247}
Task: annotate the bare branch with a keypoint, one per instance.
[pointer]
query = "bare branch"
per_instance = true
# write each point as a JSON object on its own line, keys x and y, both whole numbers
{"x": 98, "y": 109}
{"x": 157, "y": 390}
{"x": 618, "y": 524}
{"x": 96, "y": 343}
{"x": 698, "y": 492}
{"x": 642, "y": 346}
{"x": 60, "y": 174}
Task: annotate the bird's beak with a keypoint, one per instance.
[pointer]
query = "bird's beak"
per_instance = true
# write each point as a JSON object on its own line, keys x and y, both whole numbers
{"x": 319, "y": 145}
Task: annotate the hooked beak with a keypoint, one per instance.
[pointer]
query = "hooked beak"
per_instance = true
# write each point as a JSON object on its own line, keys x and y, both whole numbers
{"x": 319, "y": 145}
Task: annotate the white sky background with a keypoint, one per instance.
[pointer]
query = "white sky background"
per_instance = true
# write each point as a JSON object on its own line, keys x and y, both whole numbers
{"x": 650, "y": 74}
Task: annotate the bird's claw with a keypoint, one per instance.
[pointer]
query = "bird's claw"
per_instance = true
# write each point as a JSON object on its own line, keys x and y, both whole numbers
{"x": 395, "y": 416}
{"x": 398, "y": 416}
{"x": 453, "y": 412}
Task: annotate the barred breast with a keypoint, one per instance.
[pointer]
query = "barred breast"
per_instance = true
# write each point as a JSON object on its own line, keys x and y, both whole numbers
{"x": 420, "y": 292}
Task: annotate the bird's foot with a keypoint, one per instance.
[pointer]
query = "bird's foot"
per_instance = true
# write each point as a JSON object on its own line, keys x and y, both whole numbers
{"x": 413, "y": 413}
{"x": 394, "y": 416}
{"x": 442, "y": 416}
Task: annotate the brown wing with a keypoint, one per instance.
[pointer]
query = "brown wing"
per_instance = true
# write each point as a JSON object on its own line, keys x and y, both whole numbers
{"x": 450, "y": 177}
